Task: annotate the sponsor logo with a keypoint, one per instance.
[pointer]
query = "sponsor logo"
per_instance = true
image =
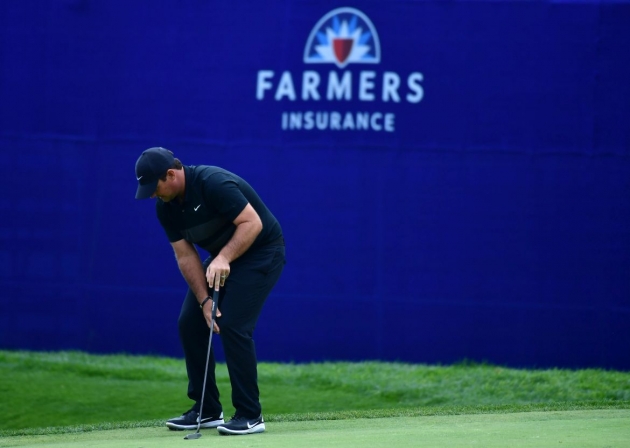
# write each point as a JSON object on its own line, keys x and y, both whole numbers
{"x": 343, "y": 36}
{"x": 197, "y": 207}
{"x": 361, "y": 97}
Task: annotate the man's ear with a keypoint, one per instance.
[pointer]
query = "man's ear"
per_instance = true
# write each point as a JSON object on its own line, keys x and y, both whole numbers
{"x": 170, "y": 174}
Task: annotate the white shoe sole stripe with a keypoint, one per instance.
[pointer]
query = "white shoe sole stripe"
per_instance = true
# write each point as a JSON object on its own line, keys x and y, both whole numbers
{"x": 256, "y": 429}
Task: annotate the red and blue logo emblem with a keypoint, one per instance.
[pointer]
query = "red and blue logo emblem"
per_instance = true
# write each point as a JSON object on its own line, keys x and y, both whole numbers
{"x": 343, "y": 36}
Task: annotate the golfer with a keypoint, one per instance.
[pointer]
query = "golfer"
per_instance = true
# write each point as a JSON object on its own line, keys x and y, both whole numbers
{"x": 218, "y": 211}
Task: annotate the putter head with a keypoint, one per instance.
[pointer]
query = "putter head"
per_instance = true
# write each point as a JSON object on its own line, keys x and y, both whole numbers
{"x": 194, "y": 435}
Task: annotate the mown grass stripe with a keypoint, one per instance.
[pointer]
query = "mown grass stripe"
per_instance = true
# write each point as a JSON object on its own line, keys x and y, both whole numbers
{"x": 346, "y": 415}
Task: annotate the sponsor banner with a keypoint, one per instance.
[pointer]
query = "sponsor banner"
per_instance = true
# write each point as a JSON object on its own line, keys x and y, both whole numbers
{"x": 455, "y": 171}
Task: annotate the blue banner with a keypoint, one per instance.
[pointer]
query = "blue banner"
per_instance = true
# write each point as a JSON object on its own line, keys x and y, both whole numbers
{"x": 452, "y": 178}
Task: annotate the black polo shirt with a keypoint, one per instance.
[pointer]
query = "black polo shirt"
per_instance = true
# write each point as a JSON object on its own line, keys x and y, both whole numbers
{"x": 213, "y": 198}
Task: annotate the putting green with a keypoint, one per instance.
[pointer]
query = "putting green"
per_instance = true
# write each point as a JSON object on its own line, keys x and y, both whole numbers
{"x": 599, "y": 428}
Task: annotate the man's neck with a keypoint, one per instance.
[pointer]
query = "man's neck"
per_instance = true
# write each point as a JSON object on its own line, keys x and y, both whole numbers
{"x": 182, "y": 178}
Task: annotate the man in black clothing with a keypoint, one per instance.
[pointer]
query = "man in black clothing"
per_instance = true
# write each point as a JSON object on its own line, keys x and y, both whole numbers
{"x": 221, "y": 213}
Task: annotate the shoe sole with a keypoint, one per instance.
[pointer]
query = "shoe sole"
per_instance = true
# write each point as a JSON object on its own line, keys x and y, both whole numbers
{"x": 176, "y": 427}
{"x": 234, "y": 432}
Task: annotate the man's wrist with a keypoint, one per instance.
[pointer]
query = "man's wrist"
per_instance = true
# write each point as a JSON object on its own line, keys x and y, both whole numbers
{"x": 203, "y": 302}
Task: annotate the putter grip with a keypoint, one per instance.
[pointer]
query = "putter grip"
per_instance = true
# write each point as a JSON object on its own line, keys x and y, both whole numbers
{"x": 215, "y": 303}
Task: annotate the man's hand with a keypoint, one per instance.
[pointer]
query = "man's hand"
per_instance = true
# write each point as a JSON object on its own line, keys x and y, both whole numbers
{"x": 207, "y": 313}
{"x": 217, "y": 272}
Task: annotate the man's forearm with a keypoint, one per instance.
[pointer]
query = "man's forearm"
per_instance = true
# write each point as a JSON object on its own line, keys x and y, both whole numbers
{"x": 243, "y": 238}
{"x": 192, "y": 270}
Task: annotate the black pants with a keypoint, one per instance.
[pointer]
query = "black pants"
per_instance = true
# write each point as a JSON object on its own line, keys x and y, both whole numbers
{"x": 252, "y": 276}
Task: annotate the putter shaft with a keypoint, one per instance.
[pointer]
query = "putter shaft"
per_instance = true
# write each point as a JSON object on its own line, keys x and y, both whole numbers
{"x": 215, "y": 301}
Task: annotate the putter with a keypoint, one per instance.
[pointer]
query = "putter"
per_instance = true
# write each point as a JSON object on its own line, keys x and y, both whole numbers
{"x": 215, "y": 301}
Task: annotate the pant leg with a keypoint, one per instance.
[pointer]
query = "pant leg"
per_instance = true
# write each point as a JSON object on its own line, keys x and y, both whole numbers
{"x": 194, "y": 334}
{"x": 251, "y": 279}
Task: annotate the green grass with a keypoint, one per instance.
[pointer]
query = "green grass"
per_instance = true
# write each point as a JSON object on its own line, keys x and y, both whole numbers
{"x": 575, "y": 429}
{"x": 83, "y": 392}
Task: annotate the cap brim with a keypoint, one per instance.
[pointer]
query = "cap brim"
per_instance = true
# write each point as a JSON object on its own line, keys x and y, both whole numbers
{"x": 146, "y": 191}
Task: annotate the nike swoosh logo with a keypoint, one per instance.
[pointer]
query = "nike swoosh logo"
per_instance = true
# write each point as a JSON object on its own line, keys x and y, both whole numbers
{"x": 251, "y": 426}
{"x": 197, "y": 207}
{"x": 138, "y": 178}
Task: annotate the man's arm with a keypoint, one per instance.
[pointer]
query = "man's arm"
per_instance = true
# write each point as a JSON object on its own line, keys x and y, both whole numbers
{"x": 248, "y": 227}
{"x": 191, "y": 268}
{"x": 190, "y": 265}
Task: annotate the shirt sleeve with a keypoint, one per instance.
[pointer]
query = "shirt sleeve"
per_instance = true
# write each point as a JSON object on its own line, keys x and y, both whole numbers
{"x": 223, "y": 192}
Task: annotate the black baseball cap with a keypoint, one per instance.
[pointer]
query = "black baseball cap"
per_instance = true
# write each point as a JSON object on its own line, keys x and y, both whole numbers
{"x": 151, "y": 165}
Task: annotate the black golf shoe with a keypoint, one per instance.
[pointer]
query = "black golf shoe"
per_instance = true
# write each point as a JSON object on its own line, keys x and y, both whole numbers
{"x": 190, "y": 419}
{"x": 242, "y": 425}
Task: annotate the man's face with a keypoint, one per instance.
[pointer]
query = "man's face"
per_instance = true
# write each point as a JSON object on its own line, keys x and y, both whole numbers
{"x": 165, "y": 190}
